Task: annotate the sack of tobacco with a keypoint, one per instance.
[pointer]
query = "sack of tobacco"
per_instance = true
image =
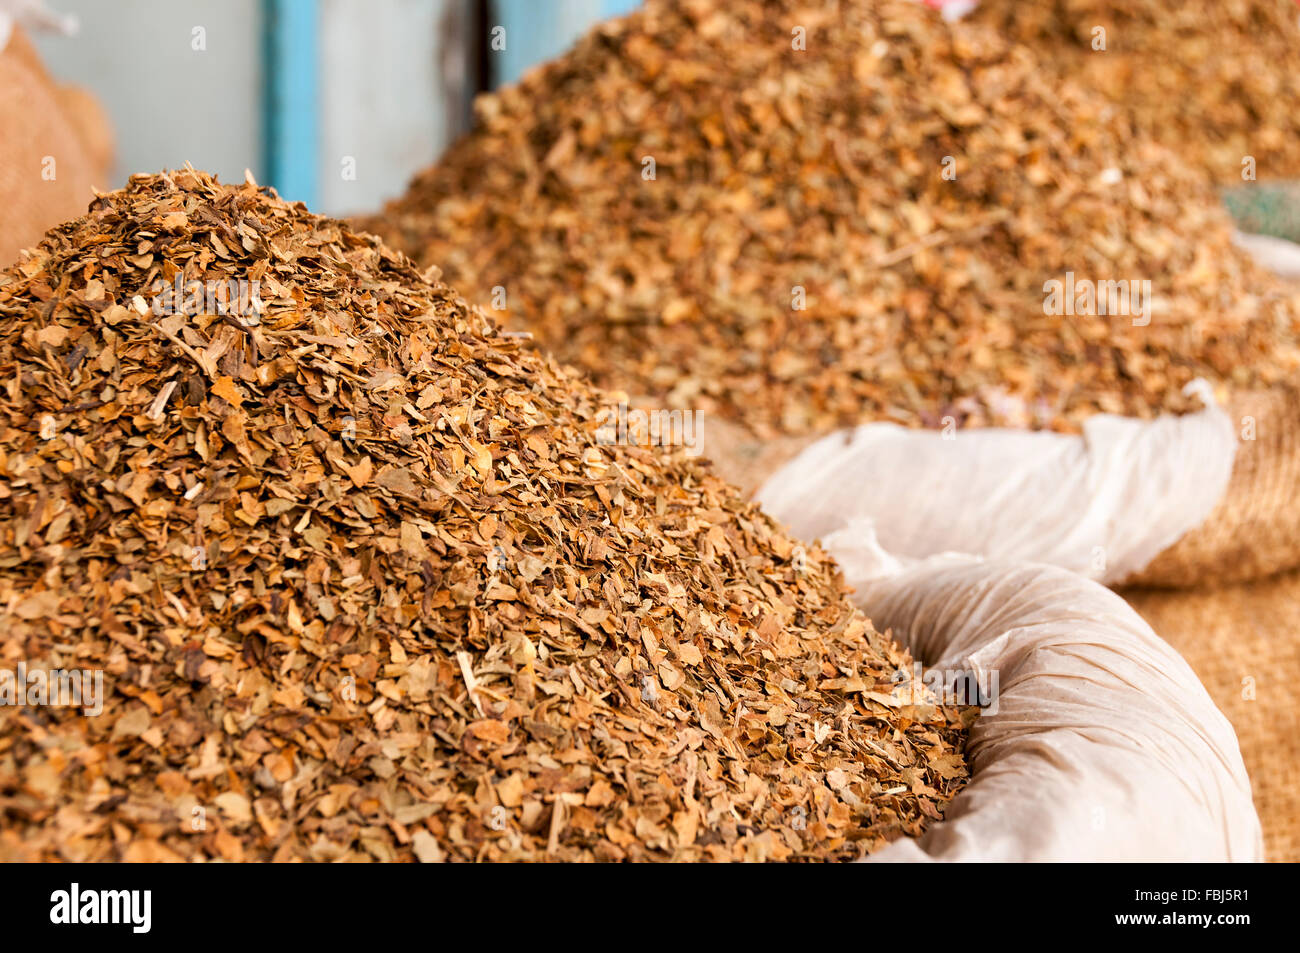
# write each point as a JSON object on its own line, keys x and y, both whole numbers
{"x": 798, "y": 218}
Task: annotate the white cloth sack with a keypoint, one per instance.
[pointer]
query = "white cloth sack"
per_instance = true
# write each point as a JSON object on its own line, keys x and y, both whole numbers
{"x": 1102, "y": 745}
{"x": 1103, "y": 504}
{"x": 34, "y": 15}
{"x": 1276, "y": 254}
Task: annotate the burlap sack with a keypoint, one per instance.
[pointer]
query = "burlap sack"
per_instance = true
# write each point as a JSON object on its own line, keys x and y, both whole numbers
{"x": 1243, "y": 642}
{"x": 1254, "y": 531}
{"x": 54, "y": 148}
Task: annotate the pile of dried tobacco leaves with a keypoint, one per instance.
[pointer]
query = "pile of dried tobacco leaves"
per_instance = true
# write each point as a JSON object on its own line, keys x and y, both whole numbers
{"x": 1217, "y": 81}
{"x": 363, "y": 583}
{"x": 805, "y": 215}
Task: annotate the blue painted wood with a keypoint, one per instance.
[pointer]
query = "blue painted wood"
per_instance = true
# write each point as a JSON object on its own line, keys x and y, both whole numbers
{"x": 533, "y": 32}
{"x": 292, "y": 110}
{"x": 538, "y": 30}
{"x": 616, "y": 8}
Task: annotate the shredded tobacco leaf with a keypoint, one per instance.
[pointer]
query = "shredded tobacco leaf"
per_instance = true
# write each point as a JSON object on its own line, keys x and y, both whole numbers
{"x": 363, "y": 583}
{"x": 805, "y": 215}
{"x": 1216, "y": 81}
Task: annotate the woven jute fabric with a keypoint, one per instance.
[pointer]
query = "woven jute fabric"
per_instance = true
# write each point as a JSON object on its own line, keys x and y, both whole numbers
{"x": 46, "y": 165}
{"x": 1243, "y": 641}
{"x": 1255, "y": 529}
